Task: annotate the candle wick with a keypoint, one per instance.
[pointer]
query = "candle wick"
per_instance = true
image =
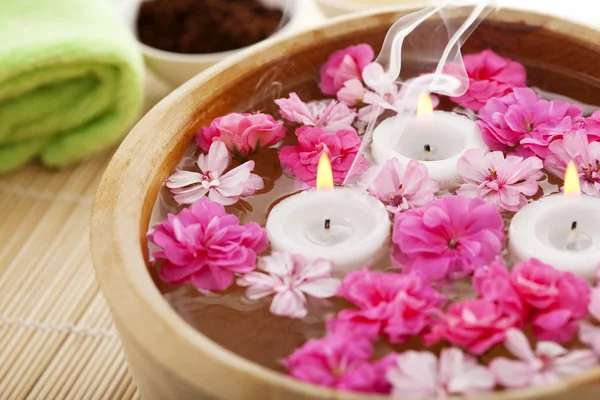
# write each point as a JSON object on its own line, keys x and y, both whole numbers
{"x": 427, "y": 149}
{"x": 572, "y": 237}
{"x": 327, "y": 224}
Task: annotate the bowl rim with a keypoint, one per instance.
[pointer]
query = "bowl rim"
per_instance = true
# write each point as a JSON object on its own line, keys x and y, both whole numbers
{"x": 129, "y": 10}
{"x": 117, "y": 242}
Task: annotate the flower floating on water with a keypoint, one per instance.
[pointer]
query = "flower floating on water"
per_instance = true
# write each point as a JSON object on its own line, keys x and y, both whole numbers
{"x": 523, "y": 122}
{"x": 558, "y": 300}
{"x": 402, "y": 188}
{"x": 475, "y": 325}
{"x": 342, "y": 148}
{"x": 493, "y": 283}
{"x": 501, "y": 181}
{"x": 420, "y": 375}
{"x": 589, "y": 333}
{"x": 206, "y": 246}
{"x": 392, "y": 305}
{"x": 548, "y": 364}
{"x": 586, "y": 156}
{"x": 452, "y": 236}
{"x": 344, "y": 65}
{"x": 290, "y": 278}
{"x": 489, "y": 76}
{"x": 224, "y": 188}
{"x": 329, "y": 115}
{"x": 342, "y": 362}
{"x": 243, "y": 134}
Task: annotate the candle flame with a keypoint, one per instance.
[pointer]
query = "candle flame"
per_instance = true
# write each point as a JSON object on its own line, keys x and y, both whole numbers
{"x": 572, "y": 188}
{"x": 324, "y": 174}
{"x": 425, "y": 106}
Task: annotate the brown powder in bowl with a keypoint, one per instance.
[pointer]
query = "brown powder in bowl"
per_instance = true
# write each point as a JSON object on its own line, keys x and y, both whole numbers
{"x": 205, "y": 26}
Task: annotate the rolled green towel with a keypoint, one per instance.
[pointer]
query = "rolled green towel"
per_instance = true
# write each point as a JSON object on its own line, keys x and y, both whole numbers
{"x": 70, "y": 80}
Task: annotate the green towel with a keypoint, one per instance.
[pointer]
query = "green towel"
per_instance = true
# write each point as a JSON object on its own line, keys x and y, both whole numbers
{"x": 70, "y": 80}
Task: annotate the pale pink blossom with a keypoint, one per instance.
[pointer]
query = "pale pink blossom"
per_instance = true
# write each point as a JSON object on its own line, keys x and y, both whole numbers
{"x": 452, "y": 236}
{"x": 521, "y": 121}
{"x": 243, "y": 134}
{"x": 419, "y": 374}
{"x": 589, "y": 334}
{"x": 576, "y": 146}
{"x": 402, "y": 188}
{"x": 222, "y": 187}
{"x": 475, "y": 325}
{"x": 206, "y": 246}
{"x": 547, "y": 365}
{"x": 396, "y": 306}
{"x": 342, "y": 147}
{"x": 344, "y": 65}
{"x": 290, "y": 278}
{"x": 490, "y": 75}
{"x": 352, "y": 93}
{"x": 558, "y": 300}
{"x": 329, "y": 115}
{"x": 340, "y": 361}
{"x": 504, "y": 182}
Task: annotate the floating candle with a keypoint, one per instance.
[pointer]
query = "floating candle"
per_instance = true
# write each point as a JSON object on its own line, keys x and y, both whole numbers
{"x": 560, "y": 230}
{"x": 437, "y": 138}
{"x": 344, "y": 225}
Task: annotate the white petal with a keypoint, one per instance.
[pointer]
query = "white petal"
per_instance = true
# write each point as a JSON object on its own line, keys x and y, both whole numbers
{"x": 550, "y": 349}
{"x": 232, "y": 183}
{"x": 259, "y": 285}
{"x": 321, "y": 288}
{"x": 574, "y": 363}
{"x": 512, "y": 373}
{"x": 415, "y": 375}
{"x": 183, "y": 178}
{"x": 289, "y": 303}
{"x": 217, "y": 159}
{"x": 516, "y": 342}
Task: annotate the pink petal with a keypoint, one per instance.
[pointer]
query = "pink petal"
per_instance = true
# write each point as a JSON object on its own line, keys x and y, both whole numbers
{"x": 512, "y": 374}
{"x": 289, "y": 303}
{"x": 415, "y": 375}
{"x": 320, "y": 288}
{"x": 516, "y": 342}
{"x": 217, "y": 159}
{"x": 259, "y": 285}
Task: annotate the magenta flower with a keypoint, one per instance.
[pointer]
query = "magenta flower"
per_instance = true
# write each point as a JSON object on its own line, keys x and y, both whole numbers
{"x": 489, "y": 76}
{"x": 301, "y": 161}
{"x": 449, "y": 237}
{"x": 329, "y": 115}
{"x": 475, "y": 325}
{"x": 344, "y": 65}
{"x": 420, "y": 375}
{"x": 557, "y": 299}
{"x": 290, "y": 278}
{"x": 522, "y": 121}
{"x": 206, "y": 246}
{"x": 501, "y": 181}
{"x": 493, "y": 283}
{"x": 396, "y": 306}
{"x": 402, "y": 188}
{"x": 224, "y": 188}
{"x": 546, "y": 366}
{"x": 340, "y": 362}
{"x": 243, "y": 134}
{"x": 586, "y": 156}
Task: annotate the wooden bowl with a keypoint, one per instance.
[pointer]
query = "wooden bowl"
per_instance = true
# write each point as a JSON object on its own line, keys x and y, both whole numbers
{"x": 168, "y": 358}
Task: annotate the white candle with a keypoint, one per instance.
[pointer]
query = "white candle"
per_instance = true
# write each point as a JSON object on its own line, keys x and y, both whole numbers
{"x": 358, "y": 232}
{"x": 447, "y": 134}
{"x": 560, "y": 230}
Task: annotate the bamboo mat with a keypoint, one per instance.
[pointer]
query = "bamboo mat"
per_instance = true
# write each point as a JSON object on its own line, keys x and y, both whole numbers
{"x": 57, "y": 340}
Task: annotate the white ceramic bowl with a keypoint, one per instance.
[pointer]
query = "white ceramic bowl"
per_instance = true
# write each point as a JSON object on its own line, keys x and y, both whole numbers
{"x": 333, "y": 8}
{"x": 177, "y": 68}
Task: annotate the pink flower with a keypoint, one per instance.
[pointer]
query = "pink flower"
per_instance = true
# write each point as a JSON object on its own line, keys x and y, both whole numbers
{"x": 594, "y": 306}
{"x": 592, "y": 125}
{"x": 586, "y": 156}
{"x": 489, "y": 76}
{"x": 420, "y": 375}
{"x": 558, "y": 300}
{"x": 243, "y": 134}
{"x": 329, "y": 115}
{"x": 290, "y": 277}
{"x": 301, "y": 161}
{"x": 493, "y": 283}
{"x": 403, "y": 188}
{"x": 344, "y": 65}
{"x": 226, "y": 189}
{"x": 523, "y": 120}
{"x": 590, "y": 335}
{"x": 546, "y": 366}
{"x": 501, "y": 181}
{"x": 451, "y": 236}
{"x": 206, "y": 246}
{"x": 352, "y": 93}
{"x": 341, "y": 362}
{"x": 396, "y": 306}
{"x": 476, "y": 325}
